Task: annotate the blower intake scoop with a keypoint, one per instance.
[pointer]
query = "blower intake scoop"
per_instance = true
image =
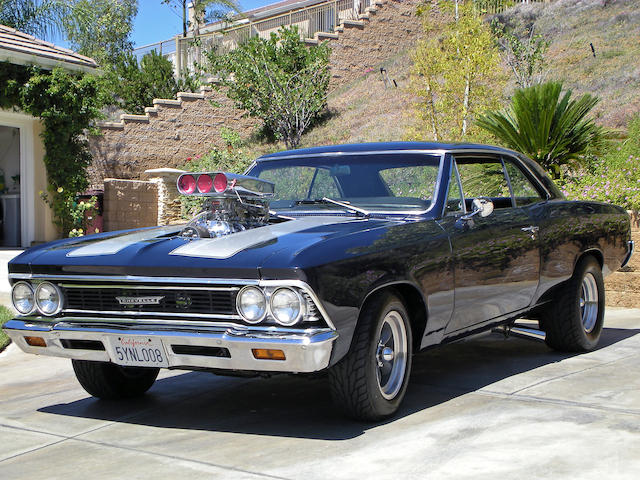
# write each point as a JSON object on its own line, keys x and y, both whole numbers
{"x": 232, "y": 203}
{"x": 220, "y": 184}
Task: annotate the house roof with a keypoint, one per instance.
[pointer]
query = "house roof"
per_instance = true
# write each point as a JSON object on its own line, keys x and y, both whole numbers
{"x": 23, "y": 49}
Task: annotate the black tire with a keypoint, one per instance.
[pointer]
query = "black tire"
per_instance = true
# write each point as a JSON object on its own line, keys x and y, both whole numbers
{"x": 355, "y": 385}
{"x": 112, "y": 382}
{"x": 567, "y": 327}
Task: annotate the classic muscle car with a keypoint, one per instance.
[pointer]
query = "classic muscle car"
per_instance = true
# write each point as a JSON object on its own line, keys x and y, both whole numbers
{"x": 346, "y": 259}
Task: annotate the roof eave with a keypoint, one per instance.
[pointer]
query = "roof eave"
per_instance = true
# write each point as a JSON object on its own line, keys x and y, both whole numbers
{"x": 19, "y": 58}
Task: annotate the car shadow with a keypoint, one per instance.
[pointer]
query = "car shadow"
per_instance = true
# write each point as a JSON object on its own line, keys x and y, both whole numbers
{"x": 300, "y": 406}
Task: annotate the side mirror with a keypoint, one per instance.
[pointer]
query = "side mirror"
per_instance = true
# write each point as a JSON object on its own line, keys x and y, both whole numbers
{"x": 481, "y": 206}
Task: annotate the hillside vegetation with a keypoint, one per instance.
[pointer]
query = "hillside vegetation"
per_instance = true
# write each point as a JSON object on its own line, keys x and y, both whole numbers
{"x": 613, "y": 27}
{"x": 370, "y": 110}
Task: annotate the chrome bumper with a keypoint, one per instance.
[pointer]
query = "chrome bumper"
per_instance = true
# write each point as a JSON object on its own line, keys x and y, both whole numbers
{"x": 305, "y": 351}
{"x": 628, "y": 257}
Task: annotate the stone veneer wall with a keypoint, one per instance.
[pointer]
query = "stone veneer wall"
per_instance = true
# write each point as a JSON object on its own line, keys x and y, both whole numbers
{"x": 169, "y": 206}
{"x": 129, "y": 204}
{"x": 623, "y": 287}
{"x": 165, "y": 136}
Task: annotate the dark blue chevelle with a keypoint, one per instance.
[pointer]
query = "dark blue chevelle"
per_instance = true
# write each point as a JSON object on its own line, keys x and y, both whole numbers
{"x": 348, "y": 259}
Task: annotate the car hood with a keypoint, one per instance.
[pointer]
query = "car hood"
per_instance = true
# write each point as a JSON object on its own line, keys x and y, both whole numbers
{"x": 160, "y": 251}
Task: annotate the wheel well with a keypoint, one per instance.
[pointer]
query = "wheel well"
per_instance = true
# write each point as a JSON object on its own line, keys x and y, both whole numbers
{"x": 597, "y": 254}
{"x": 415, "y": 306}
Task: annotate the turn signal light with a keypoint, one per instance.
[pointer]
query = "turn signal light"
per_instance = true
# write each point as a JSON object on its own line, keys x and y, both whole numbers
{"x": 268, "y": 354}
{"x": 35, "y": 341}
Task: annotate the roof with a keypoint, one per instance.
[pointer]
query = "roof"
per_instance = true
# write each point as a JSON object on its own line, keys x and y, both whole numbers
{"x": 24, "y": 49}
{"x": 382, "y": 146}
{"x": 424, "y": 146}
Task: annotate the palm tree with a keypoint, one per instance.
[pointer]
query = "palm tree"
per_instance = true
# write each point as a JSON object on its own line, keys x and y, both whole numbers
{"x": 552, "y": 130}
{"x": 41, "y": 18}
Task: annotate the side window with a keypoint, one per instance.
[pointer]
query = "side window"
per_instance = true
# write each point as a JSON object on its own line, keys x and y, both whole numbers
{"x": 523, "y": 190}
{"x": 324, "y": 185}
{"x": 484, "y": 178}
{"x": 454, "y": 199}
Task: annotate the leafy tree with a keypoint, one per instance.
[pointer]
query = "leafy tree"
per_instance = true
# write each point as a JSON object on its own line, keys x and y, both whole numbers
{"x": 552, "y": 129}
{"x": 133, "y": 85}
{"x": 101, "y": 29}
{"x": 456, "y": 73}
{"x": 278, "y": 80}
{"x": 41, "y": 18}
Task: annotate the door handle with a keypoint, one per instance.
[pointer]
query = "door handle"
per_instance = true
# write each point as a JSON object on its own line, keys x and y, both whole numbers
{"x": 531, "y": 230}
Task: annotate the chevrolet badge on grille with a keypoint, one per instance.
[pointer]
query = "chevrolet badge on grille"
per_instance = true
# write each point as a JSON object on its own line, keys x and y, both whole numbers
{"x": 139, "y": 300}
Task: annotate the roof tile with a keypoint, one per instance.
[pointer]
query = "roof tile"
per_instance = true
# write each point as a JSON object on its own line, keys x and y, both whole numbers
{"x": 16, "y": 41}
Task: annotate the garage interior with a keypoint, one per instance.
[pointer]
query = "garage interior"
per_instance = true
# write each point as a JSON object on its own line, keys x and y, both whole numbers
{"x": 10, "y": 224}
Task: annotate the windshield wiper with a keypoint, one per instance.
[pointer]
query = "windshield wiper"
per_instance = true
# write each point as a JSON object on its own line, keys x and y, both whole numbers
{"x": 348, "y": 206}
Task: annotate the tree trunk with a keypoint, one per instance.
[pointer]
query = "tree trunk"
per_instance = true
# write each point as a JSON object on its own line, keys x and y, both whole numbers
{"x": 432, "y": 113}
{"x": 465, "y": 105}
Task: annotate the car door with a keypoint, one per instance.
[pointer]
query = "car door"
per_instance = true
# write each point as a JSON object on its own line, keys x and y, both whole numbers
{"x": 497, "y": 257}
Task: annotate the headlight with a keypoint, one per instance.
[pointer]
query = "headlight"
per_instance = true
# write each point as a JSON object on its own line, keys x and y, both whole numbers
{"x": 286, "y": 306}
{"x": 23, "y": 298}
{"x": 251, "y": 304}
{"x": 48, "y": 298}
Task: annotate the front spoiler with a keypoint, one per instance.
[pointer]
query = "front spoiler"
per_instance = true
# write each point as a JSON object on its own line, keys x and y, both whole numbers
{"x": 305, "y": 351}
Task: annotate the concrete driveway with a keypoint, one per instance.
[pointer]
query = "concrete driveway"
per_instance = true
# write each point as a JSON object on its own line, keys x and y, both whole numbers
{"x": 484, "y": 408}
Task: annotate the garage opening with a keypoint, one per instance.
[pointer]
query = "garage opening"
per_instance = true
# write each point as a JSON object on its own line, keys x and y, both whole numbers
{"x": 10, "y": 218}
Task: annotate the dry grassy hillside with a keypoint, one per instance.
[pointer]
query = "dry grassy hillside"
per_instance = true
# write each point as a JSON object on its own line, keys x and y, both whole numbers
{"x": 613, "y": 27}
{"x": 367, "y": 111}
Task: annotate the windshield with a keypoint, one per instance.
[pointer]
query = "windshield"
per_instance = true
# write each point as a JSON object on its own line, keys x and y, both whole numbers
{"x": 389, "y": 183}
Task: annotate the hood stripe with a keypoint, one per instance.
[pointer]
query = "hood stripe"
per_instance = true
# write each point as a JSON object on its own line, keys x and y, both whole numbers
{"x": 112, "y": 246}
{"x": 229, "y": 245}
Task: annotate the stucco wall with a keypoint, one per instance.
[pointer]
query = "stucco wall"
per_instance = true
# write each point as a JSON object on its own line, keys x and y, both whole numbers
{"x": 45, "y": 230}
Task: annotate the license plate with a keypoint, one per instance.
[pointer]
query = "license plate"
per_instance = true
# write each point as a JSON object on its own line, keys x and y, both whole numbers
{"x": 131, "y": 351}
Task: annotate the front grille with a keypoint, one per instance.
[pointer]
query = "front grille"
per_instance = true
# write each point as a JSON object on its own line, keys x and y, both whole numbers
{"x": 178, "y": 300}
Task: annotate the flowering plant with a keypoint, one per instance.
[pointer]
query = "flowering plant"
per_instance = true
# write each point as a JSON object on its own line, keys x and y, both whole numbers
{"x": 614, "y": 178}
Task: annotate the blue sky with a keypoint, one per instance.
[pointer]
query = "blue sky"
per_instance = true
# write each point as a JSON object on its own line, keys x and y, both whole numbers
{"x": 156, "y": 22}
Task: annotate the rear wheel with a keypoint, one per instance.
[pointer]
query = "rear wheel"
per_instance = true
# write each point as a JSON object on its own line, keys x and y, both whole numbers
{"x": 574, "y": 321}
{"x": 370, "y": 382}
{"x": 111, "y": 382}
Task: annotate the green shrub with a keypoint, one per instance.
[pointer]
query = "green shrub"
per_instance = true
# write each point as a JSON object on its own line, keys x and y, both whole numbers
{"x": 280, "y": 81}
{"x": 614, "y": 178}
{"x": 133, "y": 86}
{"x": 5, "y": 316}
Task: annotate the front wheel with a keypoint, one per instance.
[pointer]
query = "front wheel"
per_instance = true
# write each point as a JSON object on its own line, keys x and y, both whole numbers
{"x": 112, "y": 382}
{"x": 369, "y": 383}
{"x": 574, "y": 320}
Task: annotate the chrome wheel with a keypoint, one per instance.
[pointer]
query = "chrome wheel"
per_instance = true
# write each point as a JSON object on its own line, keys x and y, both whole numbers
{"x": 589, "y": 302}
{"x": 391, "y": 354}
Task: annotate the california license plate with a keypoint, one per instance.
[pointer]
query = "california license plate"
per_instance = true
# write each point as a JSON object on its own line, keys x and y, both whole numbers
{"x": 130, "y": 351}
